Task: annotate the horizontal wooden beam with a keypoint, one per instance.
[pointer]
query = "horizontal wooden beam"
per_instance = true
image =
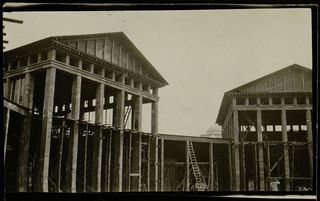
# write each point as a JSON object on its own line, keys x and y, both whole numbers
{"x": 15, "y": 107}
{"x": 271, "y": 107}
{"x": 12, "y": 20}
{"x": 83, "y": 73}
{"x": 275, "y": 143}
{"x": 193, "y": 139}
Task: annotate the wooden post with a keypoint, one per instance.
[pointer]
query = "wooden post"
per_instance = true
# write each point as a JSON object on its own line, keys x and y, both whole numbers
{"x": 156, "y": 163}
{"x": 97, "y": 147}
{"x": 260, "y": 152}
{"x": 136, "y": 163}
{"x": 109, "y": 161}
{"x": 119, "y": 123}
{"x": 129, "y": 161}
{"x": 58, "y": 175}
{"x": 236, "y": 150}
{"x": 45, "y": 140}
{"x": 285, "y": 149}
{"x": 154, "y": 114}
{"x": 256, "y": 179}
{"x": 85, "y": 159}
{"x": 268, "y": 167}
{"x": 154, "y": 131}
{"x": 7, "y": 91}
{"x": 148, "y": 163}
{"x": 25, "y": 135}
{"x": 187, "y": 170}
{"x": 162, "y": 166}
{"x": 6, "y": 123}
{"x": 309, "y": 137}
{"x": 71, "y": 172}
{"x": 212, "y": 176}
{"x": 230, "y": 167}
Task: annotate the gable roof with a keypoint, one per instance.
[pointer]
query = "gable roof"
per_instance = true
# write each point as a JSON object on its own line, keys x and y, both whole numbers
{"x": 256, "y": 81}
{"x": 122, "y": 38}
{"x": 251, "y": 87}
{"x": 119, "y": 36}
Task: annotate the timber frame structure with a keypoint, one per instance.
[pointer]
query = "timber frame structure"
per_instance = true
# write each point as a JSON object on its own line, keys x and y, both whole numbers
{"x": 269, "y": 122}
{"x": 73, "y": 112}
{"x": 73, "y": 116}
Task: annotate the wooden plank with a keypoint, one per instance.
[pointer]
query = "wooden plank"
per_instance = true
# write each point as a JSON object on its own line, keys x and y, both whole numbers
{"x": 14, "y": 107}
{"x": 187, "y": 167}
{"x": 25, "y": 135}
{"x": 136, "y": 163}
{"x": 162, "y": 166}
{"x": 45, "y": 141}
{"x": 71, "y": 171}
{"x": 8, "y": 86}
{"x": 85, "y": 158}
{"x": 256, "y": 168}
{"x": 119, "y": 120}
{"x": 109, "y": 161}
{"x": 6, "y": 123}
{"x": 148, "y": 165}
{"x": 309, "y": 140}
{"x": 243, "y": 167}
{"x": 193, "y": 139}
{"x": 83, "y": 73}
{"x": 230, "y": 167}
{"x": 260, "y": 152}
{"x": 271, "y": 107}
{"x": 268, "y": 167}
{"x": 97, "y": 147}
{"x": 285, "y": 149}
{"x": 236, "y": 150}
{"x": 154, "y": 118}
{"x": 60, "y": 153}
{"x": 129, "y": 161}
{"x": 156, "y": 164}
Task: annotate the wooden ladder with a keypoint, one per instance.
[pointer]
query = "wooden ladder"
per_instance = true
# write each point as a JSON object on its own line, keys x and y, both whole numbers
{"x": 126, "y": 116}
{"x": 200, "y": 181}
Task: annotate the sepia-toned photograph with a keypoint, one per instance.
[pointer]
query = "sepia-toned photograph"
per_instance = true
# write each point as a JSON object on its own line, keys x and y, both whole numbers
{"x": 210, "y": 100}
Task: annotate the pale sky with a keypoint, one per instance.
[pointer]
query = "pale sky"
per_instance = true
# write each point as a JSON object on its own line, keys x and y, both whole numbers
{"x": 202, "y": 54}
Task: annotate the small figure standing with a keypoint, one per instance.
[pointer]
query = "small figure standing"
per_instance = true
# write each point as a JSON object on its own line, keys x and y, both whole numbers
{"x": 251, "y": 185}
{"x": 274, "y": 185}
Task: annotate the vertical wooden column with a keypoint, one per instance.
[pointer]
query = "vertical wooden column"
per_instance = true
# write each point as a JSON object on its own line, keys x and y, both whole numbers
{"x": 212, "y": 176}
{"x": 45, "y": 140}
{"x": 97, "y": 147}
{"x": 156, "y": 161}
{"x": 187, "y": 171}
{"x": 309, "y": 137}
{"x": 119, "y": 123}
{"x": 285, "y": 147}
{"x": 162, "y": 166}
{"x": 154, "y": 131}
{"x": 148, "y": 163}
{"x": 268, "y": 167}
{"x": 6, "y": 124}
{"x": 230, "y": 167}
{"x": 7, "y": 90}
{"x": 25, "y": 134}
{"x": 73, "y": 139}
{"x": 136, "y": 163}
{"x": 136, "y": 144}
{"x": 154, "y": 114}
{"x": 57, "y": 177}
{"x": 260, "y": 152}
{"x": 85, "y": 157}
{"x": 236, "y": 147}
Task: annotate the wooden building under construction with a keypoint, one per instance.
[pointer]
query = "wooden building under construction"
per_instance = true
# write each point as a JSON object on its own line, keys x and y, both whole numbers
{"x": 269, "y": 123}
{"x": 73, "y": 116}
